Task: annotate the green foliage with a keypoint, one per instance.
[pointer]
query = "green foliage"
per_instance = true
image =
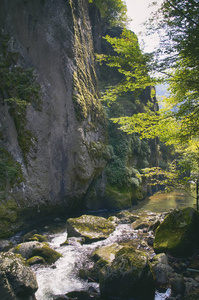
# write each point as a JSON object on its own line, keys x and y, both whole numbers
{"x": 177, "y": 123}
{"x": 18, "y": 85}
{"x": 113, "y": 12}
{"x": 10, "y": 170}
{"x": 130, "y": 62}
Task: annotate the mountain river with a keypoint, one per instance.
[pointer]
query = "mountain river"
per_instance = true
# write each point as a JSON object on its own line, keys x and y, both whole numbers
{"x": 62, "y": 277}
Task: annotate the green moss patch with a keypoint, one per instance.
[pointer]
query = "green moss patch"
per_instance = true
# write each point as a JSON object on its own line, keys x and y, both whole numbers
{"x": 178, "y": 233}
{"x": 92, "y": 228}
{"x": 49, "y": 255}
{"x": 10, "y": 171}
{"x": 36, "y": 260}
{"x": 128, "y": 275}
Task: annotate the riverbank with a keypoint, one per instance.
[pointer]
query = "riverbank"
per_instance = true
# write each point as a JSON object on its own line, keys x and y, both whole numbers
{"x": 77, "y": 271}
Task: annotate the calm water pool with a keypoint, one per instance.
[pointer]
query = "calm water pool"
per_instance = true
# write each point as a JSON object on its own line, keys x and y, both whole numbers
{"x": 164, "y": 202}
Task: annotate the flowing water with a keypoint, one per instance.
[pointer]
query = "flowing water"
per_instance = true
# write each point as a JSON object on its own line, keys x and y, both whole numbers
{"x": 62, "y": 277}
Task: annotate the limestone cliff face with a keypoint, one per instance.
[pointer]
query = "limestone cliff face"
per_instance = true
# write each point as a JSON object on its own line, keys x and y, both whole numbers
{"x": 68, "y": 136}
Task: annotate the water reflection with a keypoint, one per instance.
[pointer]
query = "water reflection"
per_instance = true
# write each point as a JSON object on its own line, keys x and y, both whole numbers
{"x": 164, "y": 202}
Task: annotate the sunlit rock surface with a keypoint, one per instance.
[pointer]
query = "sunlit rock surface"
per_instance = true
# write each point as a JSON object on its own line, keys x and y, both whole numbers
{"x": 178, "y": 233}
{"x": 92, "y": 228}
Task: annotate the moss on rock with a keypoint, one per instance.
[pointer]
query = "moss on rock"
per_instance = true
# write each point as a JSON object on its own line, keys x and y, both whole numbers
{"x": 49, "y": 255}
{"x": 178, "y": 233}
{"x": 33, "y": 248}
{"x": 128, "y": 275}
{"x": 117, "y": 199}
{"x": 9, "y": 212}
{"x": 36, "y": 260}
{"x": 38, "y": 238}
{"x": 107, "y": 253}
{"x": 92, "y": 228}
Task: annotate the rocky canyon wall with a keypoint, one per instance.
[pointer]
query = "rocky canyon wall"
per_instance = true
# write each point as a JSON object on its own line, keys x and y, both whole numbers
{"x": 66, "y": 144}
{"x": 59, "y": 154}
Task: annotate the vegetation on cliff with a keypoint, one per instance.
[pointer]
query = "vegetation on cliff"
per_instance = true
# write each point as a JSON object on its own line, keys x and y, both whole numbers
{"x": 18, "y": 88}
{"x": 177, "y": 123}
{"x": 113, "y": 12}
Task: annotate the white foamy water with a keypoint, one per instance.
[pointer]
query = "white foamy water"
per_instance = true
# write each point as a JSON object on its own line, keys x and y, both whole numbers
{"x": 62, "y": 277}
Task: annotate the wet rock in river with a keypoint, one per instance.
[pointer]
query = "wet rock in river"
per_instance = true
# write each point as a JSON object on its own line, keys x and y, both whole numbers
{"x": 35, "y": 260}
{"x": 106, "y": 253}
{"x": 102, "y": 257}
{"x": 31, "y": 249}
{"x": 177, "y": 285}
{"x": 126, "y": 217}
{"x": 161, "y": 270}
{"x": 17, "y": 281}
{"x": 178, "y": 233}
{"x": 92, "y": 228}
{"x": 129, "y": 275}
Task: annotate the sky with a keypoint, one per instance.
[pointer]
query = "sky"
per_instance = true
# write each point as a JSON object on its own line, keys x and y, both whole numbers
{"x": 139, "y": 11}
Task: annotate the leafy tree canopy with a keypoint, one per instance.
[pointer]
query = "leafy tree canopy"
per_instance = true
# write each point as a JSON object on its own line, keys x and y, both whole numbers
{"x": 178, "y": 122}
{"x": 113, "y": 12}
{"x": 130, "y": 62}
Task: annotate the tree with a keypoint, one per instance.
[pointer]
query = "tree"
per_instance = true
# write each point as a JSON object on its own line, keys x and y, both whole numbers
{"x": 130, "y": 62}
{"x": 113, "y": 12}
{"x": 178, "y": 123}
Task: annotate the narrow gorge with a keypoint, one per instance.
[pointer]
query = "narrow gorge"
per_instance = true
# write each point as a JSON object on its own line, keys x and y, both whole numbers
{"x": 59, "y": 152}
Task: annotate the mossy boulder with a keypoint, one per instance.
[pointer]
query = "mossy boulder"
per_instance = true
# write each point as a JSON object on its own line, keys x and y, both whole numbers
{"x": 26, "y": 249}
{"x": 102, "y": 257}
{"x": 47, "y": 253}
{"x": 39, "y": 238}
{"x": 92, "y": 274}
{"x": 9, "y": 217}
{"x": 92, "y": 228}
{"x": 17, "y": 280}
{"x": 129, "y": 275}
{"x": 35, "y": 260}
{"x": 117, "y": 199}
{"x": 178, "y": 234}
{"x": 107, "y": 253}
{"x": 32, "y": 248}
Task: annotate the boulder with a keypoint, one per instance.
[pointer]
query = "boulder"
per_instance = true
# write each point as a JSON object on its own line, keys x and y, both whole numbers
{"x": 102, "y": 257}
{"x": 35, "y": 260}
{"x": 38, "y": 238}
{"x": 17, "y": 281}
{"x": 92, "y": 228}
{"x": 106, "y": 253}
{"x": 177, "y": 285}
{"x": 178, "y": 233}
{"x": 26, "y": 249}
{"x": 161, "y": 270}
{"x": 92, "y": 274}
{"x": 126, "y": 217}
{"x": 31, "y": 249}
{"x": 128, "y": 275}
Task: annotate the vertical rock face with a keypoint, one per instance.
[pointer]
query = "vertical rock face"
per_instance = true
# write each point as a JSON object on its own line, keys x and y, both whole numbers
{"x": 54, "y": 38}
